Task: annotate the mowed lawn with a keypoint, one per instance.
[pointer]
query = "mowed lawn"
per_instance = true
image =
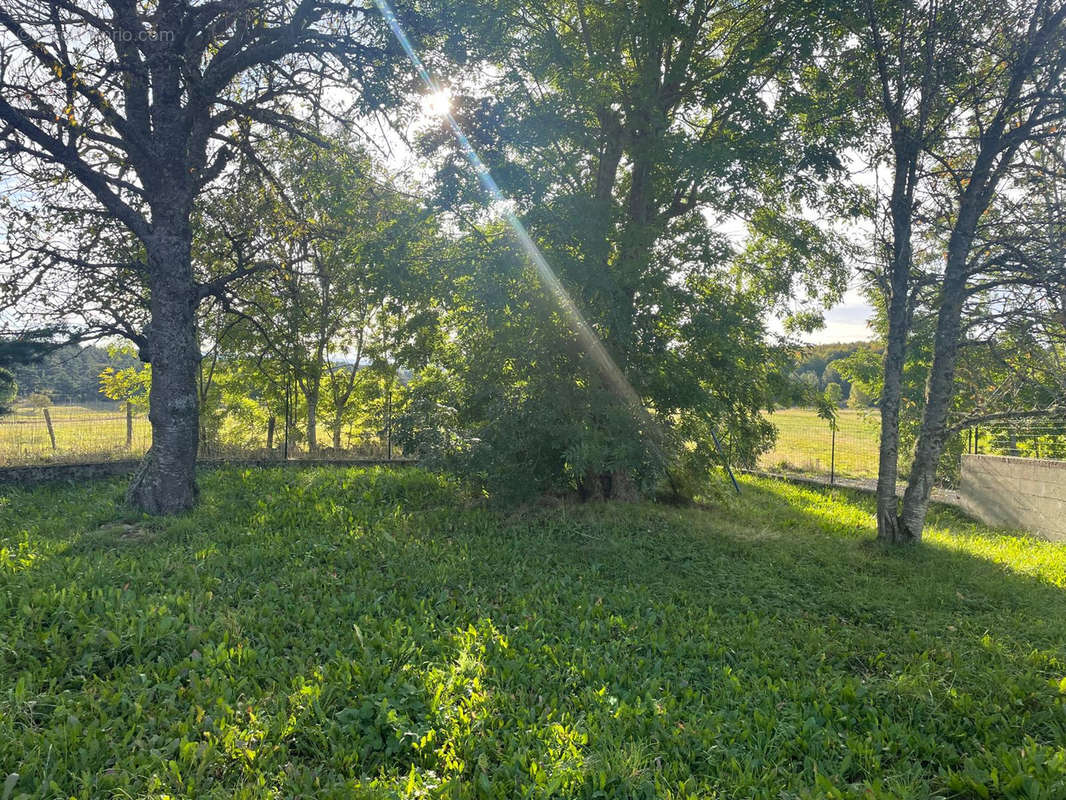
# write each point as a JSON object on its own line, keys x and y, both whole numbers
{"x": 805, "y": 442}
{"x": 363, "y": 633}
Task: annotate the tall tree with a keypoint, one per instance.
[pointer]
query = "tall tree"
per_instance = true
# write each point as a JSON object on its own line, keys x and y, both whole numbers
{"x": 955, "y": 89}
{"x": 1014, "y": 94}
{"x": 142, "y": 105}
{"x": 632, "y": 138}
{"x": 913, "y": 49}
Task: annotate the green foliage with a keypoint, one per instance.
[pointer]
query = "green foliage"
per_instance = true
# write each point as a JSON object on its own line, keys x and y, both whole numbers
{"x": 365, "y": 633}
{"x": 352, "y": 268}
{"x": 834, "y": 393}
{"x": 9, "y": 390}
{"x": 624, "y": 139}
{"x": 850, "y": 364}
{"x": 859, "y": 399}
{"x": 28, "y": 347}
{"x": 130, "y": 384}
{"x": 828, "y": 408}
{"x": 526, "y": 411}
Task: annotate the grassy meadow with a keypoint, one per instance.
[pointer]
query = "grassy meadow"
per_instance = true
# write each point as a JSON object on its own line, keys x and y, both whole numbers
{"x": 97, "y": 432}
{"x": 804, "y": 443}
{"x": 83, "y": 433}
{"x": 364, "y": 633}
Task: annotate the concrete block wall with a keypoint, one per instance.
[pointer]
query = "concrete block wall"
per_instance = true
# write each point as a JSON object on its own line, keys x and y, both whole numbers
{"x": 1025, "y": 493}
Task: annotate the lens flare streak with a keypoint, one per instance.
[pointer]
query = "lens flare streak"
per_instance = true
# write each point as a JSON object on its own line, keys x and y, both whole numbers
{"x": 587, "y": 337}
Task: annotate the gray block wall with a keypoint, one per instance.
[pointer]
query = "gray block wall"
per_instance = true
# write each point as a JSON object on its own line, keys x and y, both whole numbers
{"x": 1025, "y": 493}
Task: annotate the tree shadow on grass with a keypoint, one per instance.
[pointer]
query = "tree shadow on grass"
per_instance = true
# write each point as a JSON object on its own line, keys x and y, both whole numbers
{"x": 337, "y": 635}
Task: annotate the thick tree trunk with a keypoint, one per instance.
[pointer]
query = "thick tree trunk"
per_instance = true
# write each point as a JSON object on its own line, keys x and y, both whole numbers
{"x": 337, "y": 435}
{"x": 165, "y": 483}
{"x": 617, "y": 485}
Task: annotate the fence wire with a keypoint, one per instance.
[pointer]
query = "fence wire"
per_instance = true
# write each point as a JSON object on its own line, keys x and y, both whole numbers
{"x": 69, "y": 431}
{"x": 808, "y": 445}
{"x": 1019, "y": 438}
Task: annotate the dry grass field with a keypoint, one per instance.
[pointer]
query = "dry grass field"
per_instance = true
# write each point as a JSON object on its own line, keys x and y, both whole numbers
{"x": 89, "y": 432}
{"x": 804, "y": 443}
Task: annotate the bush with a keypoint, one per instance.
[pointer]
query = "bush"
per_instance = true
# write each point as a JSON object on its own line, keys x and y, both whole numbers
{"x": 38, "y": 400}
{"x": 9, "y": 390}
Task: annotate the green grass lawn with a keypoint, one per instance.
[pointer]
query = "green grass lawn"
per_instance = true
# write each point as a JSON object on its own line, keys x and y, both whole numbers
{"x": 334, "y": 634}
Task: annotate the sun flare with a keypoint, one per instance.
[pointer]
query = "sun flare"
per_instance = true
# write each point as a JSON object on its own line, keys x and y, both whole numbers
{"x": 437, "y": 104}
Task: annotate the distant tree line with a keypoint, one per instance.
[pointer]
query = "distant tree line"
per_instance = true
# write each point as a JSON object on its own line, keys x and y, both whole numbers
{"x": 70, "y": 373}
{"x": 819, "y": 367}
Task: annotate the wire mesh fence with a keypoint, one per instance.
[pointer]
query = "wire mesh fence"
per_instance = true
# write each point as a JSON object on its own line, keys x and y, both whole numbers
{"x": 808, "y": 445}
{"x": 1038, "y": 438}
{"x": 71, "y": 431}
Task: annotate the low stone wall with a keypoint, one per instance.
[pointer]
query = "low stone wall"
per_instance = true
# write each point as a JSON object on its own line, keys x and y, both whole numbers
{"x": 1025, "y": 493}
{"x": 52, "y": 473}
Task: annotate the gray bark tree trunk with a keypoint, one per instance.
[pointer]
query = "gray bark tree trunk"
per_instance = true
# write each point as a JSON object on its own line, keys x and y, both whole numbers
{"x": 940, "y": 387}
{"x": 1005, "y": 121}
{"x": 312, "y": 418}
{"x": 940, "y": 391}
{"x": 889, "y": 528}
{"x": 165, "y": 483}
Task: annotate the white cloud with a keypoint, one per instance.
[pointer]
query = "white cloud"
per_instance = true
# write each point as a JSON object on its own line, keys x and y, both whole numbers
{"x": 847, "y": 321}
